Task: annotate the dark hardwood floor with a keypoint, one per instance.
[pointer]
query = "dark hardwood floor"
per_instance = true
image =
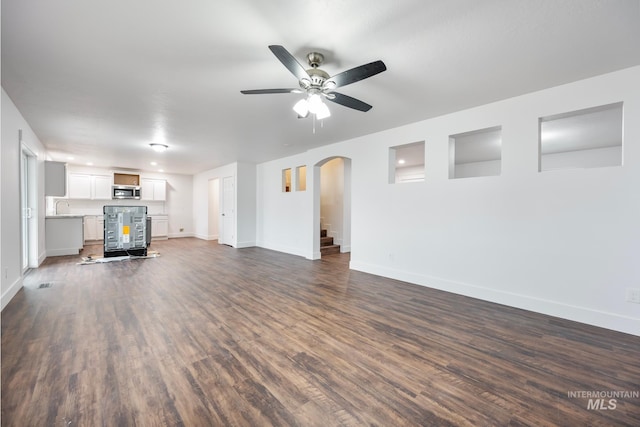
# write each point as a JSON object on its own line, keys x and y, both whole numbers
{"x": 210, "y": 335}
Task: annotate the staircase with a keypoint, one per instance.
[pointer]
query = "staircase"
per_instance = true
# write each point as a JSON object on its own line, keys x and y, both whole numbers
{"x": 326, "y": 244}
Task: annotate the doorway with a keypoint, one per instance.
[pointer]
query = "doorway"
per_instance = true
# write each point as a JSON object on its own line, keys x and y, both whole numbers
{"x": 332, "y": 206}
{"x": 28, "y": 211}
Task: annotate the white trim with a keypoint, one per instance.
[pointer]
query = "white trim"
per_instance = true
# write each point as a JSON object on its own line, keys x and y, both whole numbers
{"x": 247, "y": 244}
{"x": 63, "y": 252}
{"x": 585, "y": 315}
{"x": 41, "y": 258}
{"x": 11, "y": 292}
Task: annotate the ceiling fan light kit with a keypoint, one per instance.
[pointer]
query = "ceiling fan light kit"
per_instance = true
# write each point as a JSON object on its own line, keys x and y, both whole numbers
{"x": 318, "y": 84}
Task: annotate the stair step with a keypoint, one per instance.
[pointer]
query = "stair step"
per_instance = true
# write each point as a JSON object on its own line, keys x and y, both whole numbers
{"x": 328, "y": 250}
{"x": 323, "y": 233}
{"x": 326, "y": 241}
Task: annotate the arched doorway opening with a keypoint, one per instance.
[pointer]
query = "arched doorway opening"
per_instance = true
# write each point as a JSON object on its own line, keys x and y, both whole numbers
{"x": 332, "y": 206}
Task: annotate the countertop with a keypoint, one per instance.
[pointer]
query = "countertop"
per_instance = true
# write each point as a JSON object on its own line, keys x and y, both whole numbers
{"x": 63, "y": 216}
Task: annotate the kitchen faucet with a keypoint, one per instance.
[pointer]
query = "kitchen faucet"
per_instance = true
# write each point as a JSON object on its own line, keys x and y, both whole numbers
{"x": 56, "y": 206}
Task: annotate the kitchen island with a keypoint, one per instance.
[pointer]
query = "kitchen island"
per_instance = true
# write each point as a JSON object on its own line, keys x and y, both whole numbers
{"x": 63, "y": 234}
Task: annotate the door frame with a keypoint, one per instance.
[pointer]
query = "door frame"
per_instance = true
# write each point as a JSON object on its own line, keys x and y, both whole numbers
{"x": 225, "y": 215}
{"x": 30, "y": 203}
{"x": 346, "y": 205}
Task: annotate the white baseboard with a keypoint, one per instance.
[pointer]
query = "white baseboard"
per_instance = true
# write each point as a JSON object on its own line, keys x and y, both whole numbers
{"x": 246, "y": 244}
{"x": 179, "y": 235}
{"x": 62, "y": 252}
{"x": 588, "y": 316}
{"x": 11, "y": 292}
{"x": 41, "y": 258}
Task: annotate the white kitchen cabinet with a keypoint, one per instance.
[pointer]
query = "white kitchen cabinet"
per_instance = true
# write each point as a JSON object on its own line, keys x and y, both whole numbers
{"x": 89, "y": 228}
{"x": 93, "y": 228}
{"x": 159, "y": 226}
{"x": 100, "y": 227}
{"x": 153, "y": 189}
{"x": 85, "y": 186}
{"x": 79, "y": 186}
{"x": 63, "y": 235}
{"x": 101, "y": 186}
{"x": 55, "y": 179}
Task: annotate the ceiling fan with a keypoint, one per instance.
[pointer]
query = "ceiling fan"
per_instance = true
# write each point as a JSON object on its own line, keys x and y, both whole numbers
{"x": 317, "y": 84}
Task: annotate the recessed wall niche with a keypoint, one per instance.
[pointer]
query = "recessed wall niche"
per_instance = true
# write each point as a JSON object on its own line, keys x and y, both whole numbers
{"x": 588, "y": 138}
{"x": 286, "y": 180}
{"x": 301, "y": 178}
{"x": 476, "y": 153}
{"x": 406, "y": 163}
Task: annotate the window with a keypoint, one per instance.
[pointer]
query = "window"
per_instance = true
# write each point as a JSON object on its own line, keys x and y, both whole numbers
{"x": 406, "y": 163}
{"x": 301, "y": 178}
{"x": 286, "y": 180}
{"x": 476, "y": 153}
{"x": 587, "y": 138}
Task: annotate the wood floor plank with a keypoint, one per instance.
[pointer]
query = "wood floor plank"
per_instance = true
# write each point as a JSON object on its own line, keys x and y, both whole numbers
{"x": 206, "y": 334}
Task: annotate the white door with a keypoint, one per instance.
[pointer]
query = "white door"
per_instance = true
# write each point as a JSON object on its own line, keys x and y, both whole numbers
{"x": 228, "y": 211}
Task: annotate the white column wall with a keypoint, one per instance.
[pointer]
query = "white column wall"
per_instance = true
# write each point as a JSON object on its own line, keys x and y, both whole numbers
{"x": 10, "y": 254}
{"x": 564, "y": 242}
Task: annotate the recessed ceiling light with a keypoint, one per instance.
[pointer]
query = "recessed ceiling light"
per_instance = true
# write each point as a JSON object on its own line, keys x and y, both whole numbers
{"x": 154, "y": 163}
{"x": 160, "y": 170}
{"x": 160, "y": 148}
{"x": 69, "y": 157}
{"x": 89, "y": 163}
{"x": 401, "y": 162}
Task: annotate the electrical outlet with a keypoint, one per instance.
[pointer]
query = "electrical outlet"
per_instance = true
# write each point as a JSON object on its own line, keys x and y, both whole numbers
{"x": 181, "y": 229}
{"x": 633, "y": 295}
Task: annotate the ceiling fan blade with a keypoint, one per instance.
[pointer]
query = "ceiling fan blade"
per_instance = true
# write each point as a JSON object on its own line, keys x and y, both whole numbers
{"x": 289, "y": 61}
{"x": 262, "y": 91}
{"x": 348, "y": 101}
{"x": 356, "y": 74}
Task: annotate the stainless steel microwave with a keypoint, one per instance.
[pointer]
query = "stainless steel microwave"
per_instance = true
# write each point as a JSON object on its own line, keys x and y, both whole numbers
{"x": 125, "y": 192}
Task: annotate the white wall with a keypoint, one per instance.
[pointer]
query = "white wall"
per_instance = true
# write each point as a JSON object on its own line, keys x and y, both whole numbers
{"x": 564, "y": 243}
{"x": 10, "y": 254}
{"x": 213, "y": 208}
{"x": 179, "y": 203}
{"x": 246, "y": 205}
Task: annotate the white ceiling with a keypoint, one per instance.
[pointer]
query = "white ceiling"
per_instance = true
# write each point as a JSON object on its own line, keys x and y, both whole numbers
{"x": 99, "y": 80}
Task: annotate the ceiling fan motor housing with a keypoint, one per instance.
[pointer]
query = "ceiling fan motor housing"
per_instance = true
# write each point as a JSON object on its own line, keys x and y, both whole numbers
{"x": 317, "y": 76}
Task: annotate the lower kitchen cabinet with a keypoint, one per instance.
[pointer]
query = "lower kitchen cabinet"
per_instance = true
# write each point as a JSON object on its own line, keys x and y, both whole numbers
{"x": 93, "y": 228}
{"x": 159, "y": 227}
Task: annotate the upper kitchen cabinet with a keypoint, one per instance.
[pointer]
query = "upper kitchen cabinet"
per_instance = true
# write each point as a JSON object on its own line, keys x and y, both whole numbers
{"x": 153, "y": 189}
{"x": 55, "y": 182}
{"x": 85, "y": 186}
